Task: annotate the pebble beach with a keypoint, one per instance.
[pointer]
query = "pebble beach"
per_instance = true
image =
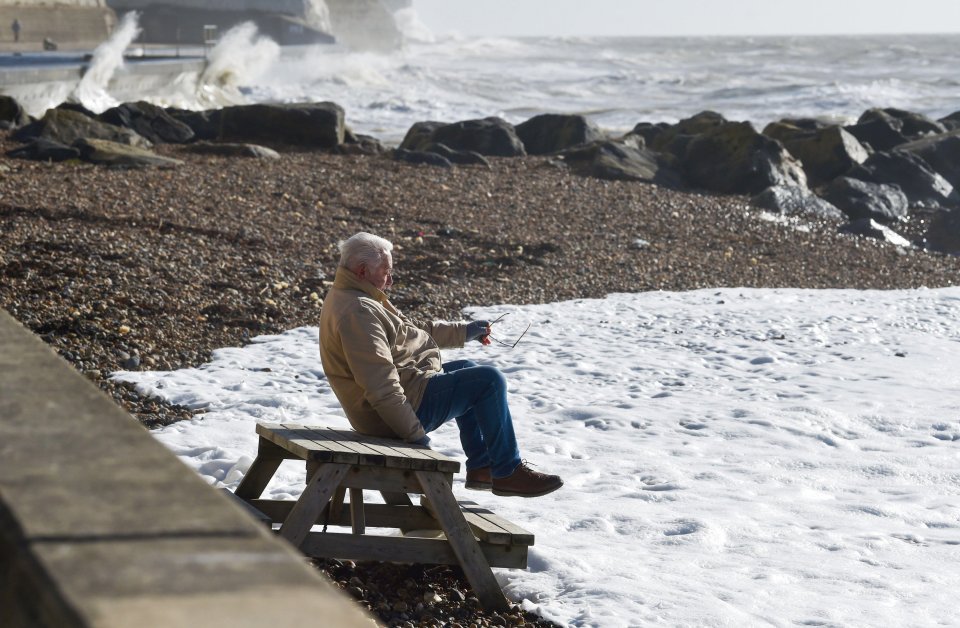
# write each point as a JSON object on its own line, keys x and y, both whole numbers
{"x": 120, "y": 269}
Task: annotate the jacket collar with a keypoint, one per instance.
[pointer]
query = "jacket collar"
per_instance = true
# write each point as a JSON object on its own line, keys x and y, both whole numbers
{"x": 346, "y": 279}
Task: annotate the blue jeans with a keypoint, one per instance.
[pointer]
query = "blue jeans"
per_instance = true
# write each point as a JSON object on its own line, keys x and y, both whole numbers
{"x": 476, "y": 396}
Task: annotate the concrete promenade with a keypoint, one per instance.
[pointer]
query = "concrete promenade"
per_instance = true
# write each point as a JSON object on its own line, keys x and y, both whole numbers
{"x": 100, "y": 525}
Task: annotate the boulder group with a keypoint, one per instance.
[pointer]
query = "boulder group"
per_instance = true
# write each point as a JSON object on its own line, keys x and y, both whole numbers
{"x": 873, "y": 173}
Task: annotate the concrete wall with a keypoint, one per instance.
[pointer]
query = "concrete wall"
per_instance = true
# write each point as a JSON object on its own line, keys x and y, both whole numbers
{"x": 71, "y": 27}
{"x": 100, "y": 525}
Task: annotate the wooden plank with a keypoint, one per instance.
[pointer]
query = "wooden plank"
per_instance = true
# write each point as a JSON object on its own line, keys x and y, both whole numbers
{"x": 405, "y": 549}
{"x": 311, "y": 503}
{"x": 404, "y": 455}
{"x": 257, "y": 477}
{"x": 481, "y": 527}
{"x": 292, "y": 439}
{"x": 402, "y": 499}
{"x": 325, "y": 444}
{"x": 460, "y": 537}
{"x": 341, "y": 450}
{"x": 328, "y": 438}
{"x": 520, "y": 535}
{"x": 376, "y": 515}
{"x": 475, "y": 512}
{"x": 248, "y": 508}
{"x": 356, "y": 511}
{"x": 336, "y": 504}
{"x": 390, "y": 480}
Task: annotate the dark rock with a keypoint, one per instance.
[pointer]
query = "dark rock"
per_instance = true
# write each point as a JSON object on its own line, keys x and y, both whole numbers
{"x": 314, "y": 125}
{"x": 734, "y": 158}
{"x": 860, "y": 199}
{"x": 105, "y": 152}
{"x": 45, "y": 150}
{"x": 649, "y": 131}
{"x": 825, "y": 153}
{"x": 420, "y": 135}
{"x": 785, "y": 131}
{"x": 618, "y": 161}
{"x": 872, "y": 229}
{"x": 922, "y": 186}
{"x": 943, "y": 234}
{"x": 941, "y": 153}
{"x": 879, "y": 133}
{"x": 463, "y": 157}
{"x": 204, "y": 124}
{"x": 912, "y": 125}
{"x": 951, "y": 122}
{"x": 227, "y": 149}
{"x": 67, "y": 126}
{"x": 793, "y": 201}
{"x": 12, "y": 113}
{"x": 807, "y": 124}
{"x": 489, "y": 136}
{"x": 421, "y": 157}
{"x": 78, "y": 107}
{"x": 360, "y": 145}
{"x": 674, "y": 139}
{"x": 149, "y": 121}
{"x": 551, "y": 133}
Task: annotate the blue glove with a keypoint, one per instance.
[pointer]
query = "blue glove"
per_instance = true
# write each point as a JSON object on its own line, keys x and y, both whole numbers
{"x": 478, "y": 330}
{"x": 425, "y": 441}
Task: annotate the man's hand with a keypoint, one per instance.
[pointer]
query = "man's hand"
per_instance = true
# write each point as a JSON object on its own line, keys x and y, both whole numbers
{"x": 424, "y": 442}
{"x": 479, "y": 330}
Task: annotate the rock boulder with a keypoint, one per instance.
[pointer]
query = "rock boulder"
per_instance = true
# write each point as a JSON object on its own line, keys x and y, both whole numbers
{"x": 149, "y": 121}
{"x": 825, "y": 153}
{"x": 922, "y": 186}
{"x": 941, "y": 153}
{"x": 312, "y": 125}
{"x": 12, "y": 114}
{"x": 551, "y": 133}
{"x": 733, "y": 158}
{"x": 622, "y": 162}
{"x": 66, "y": 126}
{"x": 107, "y": 153}
{"x": 490, "y": 136}
{"x": 943, "y": 234}
{"x": 795, "y": 201}
{"x": 860, "y": 199}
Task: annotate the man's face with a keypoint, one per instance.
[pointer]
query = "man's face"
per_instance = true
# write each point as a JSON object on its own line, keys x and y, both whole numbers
{"x": 380, "y": 277}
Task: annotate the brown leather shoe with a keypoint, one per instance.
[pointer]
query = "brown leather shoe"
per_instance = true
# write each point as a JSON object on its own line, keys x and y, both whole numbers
{"x": 525, "y": 482}
{"x": 479, "y": 479}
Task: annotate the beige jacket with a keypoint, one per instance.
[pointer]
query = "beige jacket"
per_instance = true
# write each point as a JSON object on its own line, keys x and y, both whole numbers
{"x": 377, "y": 360}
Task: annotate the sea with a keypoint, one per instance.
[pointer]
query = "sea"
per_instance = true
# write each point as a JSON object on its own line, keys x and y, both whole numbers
{"x": 616, "y": 82}
{"x": 619, "y": 82}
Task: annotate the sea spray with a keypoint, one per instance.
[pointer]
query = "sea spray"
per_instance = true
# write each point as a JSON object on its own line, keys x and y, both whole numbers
{"x": 242, "y": 55}
{"x": 107, "y": 58}
{"x": 411, "y": 27}
{"x": 317, "y": 15}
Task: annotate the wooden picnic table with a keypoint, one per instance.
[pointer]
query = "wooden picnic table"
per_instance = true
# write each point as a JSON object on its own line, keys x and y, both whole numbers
{"x": 440, "y": 530}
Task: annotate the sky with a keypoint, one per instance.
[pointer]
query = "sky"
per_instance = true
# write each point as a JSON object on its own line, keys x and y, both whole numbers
{"x": 687, "y": 17}
{"x": 731, "y": 457}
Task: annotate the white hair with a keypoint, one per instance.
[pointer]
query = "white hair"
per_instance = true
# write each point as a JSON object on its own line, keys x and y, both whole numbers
{"x": 363, "y": 248}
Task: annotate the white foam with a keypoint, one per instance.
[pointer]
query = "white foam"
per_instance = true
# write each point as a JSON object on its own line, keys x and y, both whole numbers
{"x": 730, "y": 457}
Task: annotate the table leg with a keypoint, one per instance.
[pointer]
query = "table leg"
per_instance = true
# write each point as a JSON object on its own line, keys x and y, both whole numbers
{"x": 461, "y": 539}
{"x": 318, "y": 492}
{"x": 357, "y": 517}
{"x": 257, "y": 477}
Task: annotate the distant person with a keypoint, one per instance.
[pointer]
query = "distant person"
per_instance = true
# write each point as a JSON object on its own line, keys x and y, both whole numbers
{"x": 386, "y": 371}
{"x": 15, "y": 27}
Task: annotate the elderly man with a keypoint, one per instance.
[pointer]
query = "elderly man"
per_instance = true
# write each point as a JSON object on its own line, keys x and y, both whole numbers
{"x": 386, "y": 371}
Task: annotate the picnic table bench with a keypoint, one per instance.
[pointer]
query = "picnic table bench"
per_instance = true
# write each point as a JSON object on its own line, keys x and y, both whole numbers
{"x": 437, "y": 531}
